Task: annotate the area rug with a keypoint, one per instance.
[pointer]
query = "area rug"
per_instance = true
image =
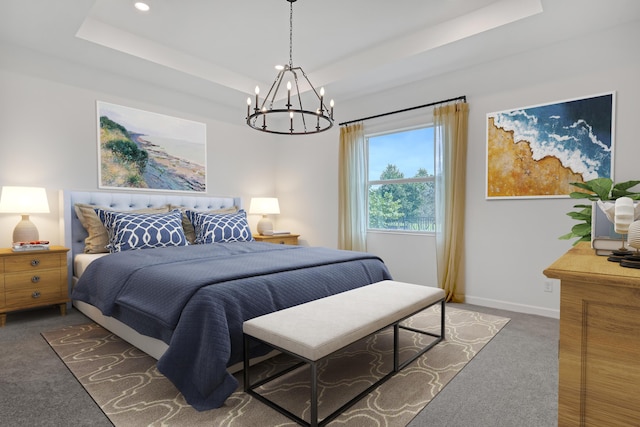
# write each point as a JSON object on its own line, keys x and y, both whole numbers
{"x": 126, "y": 385}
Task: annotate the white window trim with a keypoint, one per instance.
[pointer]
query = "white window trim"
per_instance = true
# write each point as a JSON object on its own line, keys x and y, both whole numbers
{"x": 389, "y": 129}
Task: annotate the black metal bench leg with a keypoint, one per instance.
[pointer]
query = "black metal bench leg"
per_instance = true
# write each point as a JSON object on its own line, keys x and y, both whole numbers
{"x": 314, "y": 395}
{"x": 442, "y": 317}
{"x": 396, "y": 346}
{"x": 245, "y": 354}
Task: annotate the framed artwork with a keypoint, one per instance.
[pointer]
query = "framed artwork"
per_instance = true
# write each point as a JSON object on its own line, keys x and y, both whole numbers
{"x": 149, "y": 151}
{"x": 539, "y": 151}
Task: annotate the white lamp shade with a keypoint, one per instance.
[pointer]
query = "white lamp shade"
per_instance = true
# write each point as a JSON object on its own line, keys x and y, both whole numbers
{"x": 24, "y": 200}
{"x": 264, "y": 206}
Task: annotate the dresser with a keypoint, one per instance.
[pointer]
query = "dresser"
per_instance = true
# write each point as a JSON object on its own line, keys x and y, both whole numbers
{"x": 33, "y": 279}
{"x": 599, "y": 349}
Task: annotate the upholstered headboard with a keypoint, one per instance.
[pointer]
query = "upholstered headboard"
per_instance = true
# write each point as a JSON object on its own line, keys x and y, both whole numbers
{"x": 74, "y": 233}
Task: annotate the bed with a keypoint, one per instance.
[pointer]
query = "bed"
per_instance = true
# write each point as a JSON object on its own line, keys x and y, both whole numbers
{"x": 184, "y": 304}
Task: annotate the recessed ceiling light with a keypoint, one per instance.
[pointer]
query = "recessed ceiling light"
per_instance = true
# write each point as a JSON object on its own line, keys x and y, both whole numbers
{"x": 142, "y": 6}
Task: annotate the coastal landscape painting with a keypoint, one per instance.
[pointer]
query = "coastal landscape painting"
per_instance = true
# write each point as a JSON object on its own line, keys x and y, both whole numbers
{"x": 539, "y": 151}
{"x": 144, "y": 150}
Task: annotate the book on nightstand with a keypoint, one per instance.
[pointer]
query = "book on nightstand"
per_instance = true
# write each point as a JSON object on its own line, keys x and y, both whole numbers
{"x": 37, "y": 245}
{"x": 276, "y": 233}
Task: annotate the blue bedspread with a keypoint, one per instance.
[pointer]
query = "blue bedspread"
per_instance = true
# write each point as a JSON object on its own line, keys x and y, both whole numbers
{"x": 195, "y": 298}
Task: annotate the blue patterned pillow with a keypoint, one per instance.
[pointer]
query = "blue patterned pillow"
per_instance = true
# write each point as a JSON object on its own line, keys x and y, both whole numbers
{"x": 142, "y": 231}
{"x": 220, "y": 228}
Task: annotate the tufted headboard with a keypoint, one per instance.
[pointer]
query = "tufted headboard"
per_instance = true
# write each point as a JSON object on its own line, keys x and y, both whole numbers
{"x": 74, "y": 233}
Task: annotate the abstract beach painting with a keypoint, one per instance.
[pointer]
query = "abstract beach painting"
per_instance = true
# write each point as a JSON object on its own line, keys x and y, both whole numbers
{"x": 539, "y": 151}
{"x": 144, "y": 150}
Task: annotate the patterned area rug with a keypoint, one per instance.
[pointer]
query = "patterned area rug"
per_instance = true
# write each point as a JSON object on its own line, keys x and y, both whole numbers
{"x": 126, "y": 385}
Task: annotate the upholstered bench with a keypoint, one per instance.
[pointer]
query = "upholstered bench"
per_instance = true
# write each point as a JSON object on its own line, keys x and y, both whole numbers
{"x": 314, "y": 330}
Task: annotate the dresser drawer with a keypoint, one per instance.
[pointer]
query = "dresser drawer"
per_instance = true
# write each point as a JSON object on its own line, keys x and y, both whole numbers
{"x": 32, "y": 294}
{"x": 33, "y": 262}
{"x": 29, "y": 279}
{"x": 283, "y": 239}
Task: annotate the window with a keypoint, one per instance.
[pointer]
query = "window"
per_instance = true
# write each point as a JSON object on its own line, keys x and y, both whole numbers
{"x": 401, "y": 187}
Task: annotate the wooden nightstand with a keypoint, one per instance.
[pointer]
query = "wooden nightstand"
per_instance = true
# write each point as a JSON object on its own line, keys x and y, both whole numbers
{"x": 281, "y": 239}
{"x": 33, "y": 279}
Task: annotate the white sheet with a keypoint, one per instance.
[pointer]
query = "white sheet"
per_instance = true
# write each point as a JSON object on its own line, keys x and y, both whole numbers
{"x": 82, "y": 261}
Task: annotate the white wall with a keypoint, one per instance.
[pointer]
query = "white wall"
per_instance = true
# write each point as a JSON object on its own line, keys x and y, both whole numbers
{"x": 48, "y": 134}
{"x": 48, "y": 138}
{"x": 508, "y": 242}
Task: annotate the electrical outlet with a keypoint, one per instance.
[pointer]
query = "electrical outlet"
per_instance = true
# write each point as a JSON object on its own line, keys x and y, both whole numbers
{"x": 548, "y": 286}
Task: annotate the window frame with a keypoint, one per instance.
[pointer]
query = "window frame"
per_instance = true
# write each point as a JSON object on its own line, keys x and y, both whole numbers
{"x": 368, "y": 183}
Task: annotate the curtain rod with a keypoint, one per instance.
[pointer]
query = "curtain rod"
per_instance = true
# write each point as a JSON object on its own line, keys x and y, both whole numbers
{"x": 463, "y": 97}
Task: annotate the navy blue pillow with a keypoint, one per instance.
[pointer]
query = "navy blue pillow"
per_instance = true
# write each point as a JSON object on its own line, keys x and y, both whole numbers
{"x": 220, "y": 228}
{"x": 129, "y": 231}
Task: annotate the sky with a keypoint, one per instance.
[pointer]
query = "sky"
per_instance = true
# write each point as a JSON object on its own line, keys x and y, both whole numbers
{"x": 154, "y": 124}
{"x": 409, "y": 151}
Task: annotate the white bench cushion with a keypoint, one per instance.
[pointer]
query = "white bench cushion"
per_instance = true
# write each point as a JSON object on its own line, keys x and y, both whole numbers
{"x": 320, "y": 327}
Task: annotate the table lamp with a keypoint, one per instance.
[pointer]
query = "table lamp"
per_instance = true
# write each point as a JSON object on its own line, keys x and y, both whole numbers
{"x": 264, "y": 206}
{"x": 24, "y": 201}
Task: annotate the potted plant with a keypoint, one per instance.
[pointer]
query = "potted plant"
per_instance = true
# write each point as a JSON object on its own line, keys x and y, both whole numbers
{"x": 597, "y": 189}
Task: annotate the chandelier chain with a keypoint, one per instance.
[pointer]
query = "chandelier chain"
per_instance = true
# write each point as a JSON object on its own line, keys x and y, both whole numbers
{"x": 290, "y": 34}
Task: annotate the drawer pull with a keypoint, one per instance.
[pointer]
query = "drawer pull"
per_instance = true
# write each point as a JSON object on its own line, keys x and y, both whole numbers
{"x": 35, "y": 279}
{"x": 35, "y": 262}
{"x": 35, "y": 294}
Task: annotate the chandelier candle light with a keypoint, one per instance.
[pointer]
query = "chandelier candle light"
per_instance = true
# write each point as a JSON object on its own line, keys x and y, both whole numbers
{"x": 320, "y": 119}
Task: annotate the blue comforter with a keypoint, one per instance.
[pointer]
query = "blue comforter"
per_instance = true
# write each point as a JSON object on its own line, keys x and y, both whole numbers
{"x": 195, "y": 298}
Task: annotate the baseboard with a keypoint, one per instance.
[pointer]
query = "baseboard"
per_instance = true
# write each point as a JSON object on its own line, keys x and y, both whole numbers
{"x": 519, "y": 308}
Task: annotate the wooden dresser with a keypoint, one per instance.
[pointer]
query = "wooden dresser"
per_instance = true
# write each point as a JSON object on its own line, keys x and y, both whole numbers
{"x": 33, "y": 279}
{"x": 599, "y": 351}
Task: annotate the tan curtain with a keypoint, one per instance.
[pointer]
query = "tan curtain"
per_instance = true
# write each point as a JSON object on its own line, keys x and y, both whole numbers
{"x": 352, "y": 175}
{"x": 450, "y": 124}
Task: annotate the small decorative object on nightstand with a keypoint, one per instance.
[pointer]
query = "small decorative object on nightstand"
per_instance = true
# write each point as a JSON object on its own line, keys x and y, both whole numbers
{"x": 281, "y": 239}
{"x": 624, "y": 213}
{"x": 633, "y": 238}
{"x": 33, "y": 279}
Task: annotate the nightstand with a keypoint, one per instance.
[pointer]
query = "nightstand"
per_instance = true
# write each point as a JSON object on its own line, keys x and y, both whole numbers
{"x": 281, "y": 239}
{"x": 33, "y": 279}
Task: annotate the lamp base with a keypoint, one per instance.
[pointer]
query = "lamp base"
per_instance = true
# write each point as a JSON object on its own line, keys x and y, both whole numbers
{"x": 25, "y": 231}
{"x": 265, "y": 226}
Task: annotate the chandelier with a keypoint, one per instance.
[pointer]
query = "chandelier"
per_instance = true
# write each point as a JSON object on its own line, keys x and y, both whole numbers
{"x": 290, "y": 118}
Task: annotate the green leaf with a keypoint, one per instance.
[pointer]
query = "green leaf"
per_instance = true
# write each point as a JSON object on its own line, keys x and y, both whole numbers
{"x": 602, "y": 187}
{"x": 582, "y": 185}
{"x": 625, "y": 185}
{"x": 581, "y": 195}
{"x": 580, "y": 216}
{"x": 581, "y": 229}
